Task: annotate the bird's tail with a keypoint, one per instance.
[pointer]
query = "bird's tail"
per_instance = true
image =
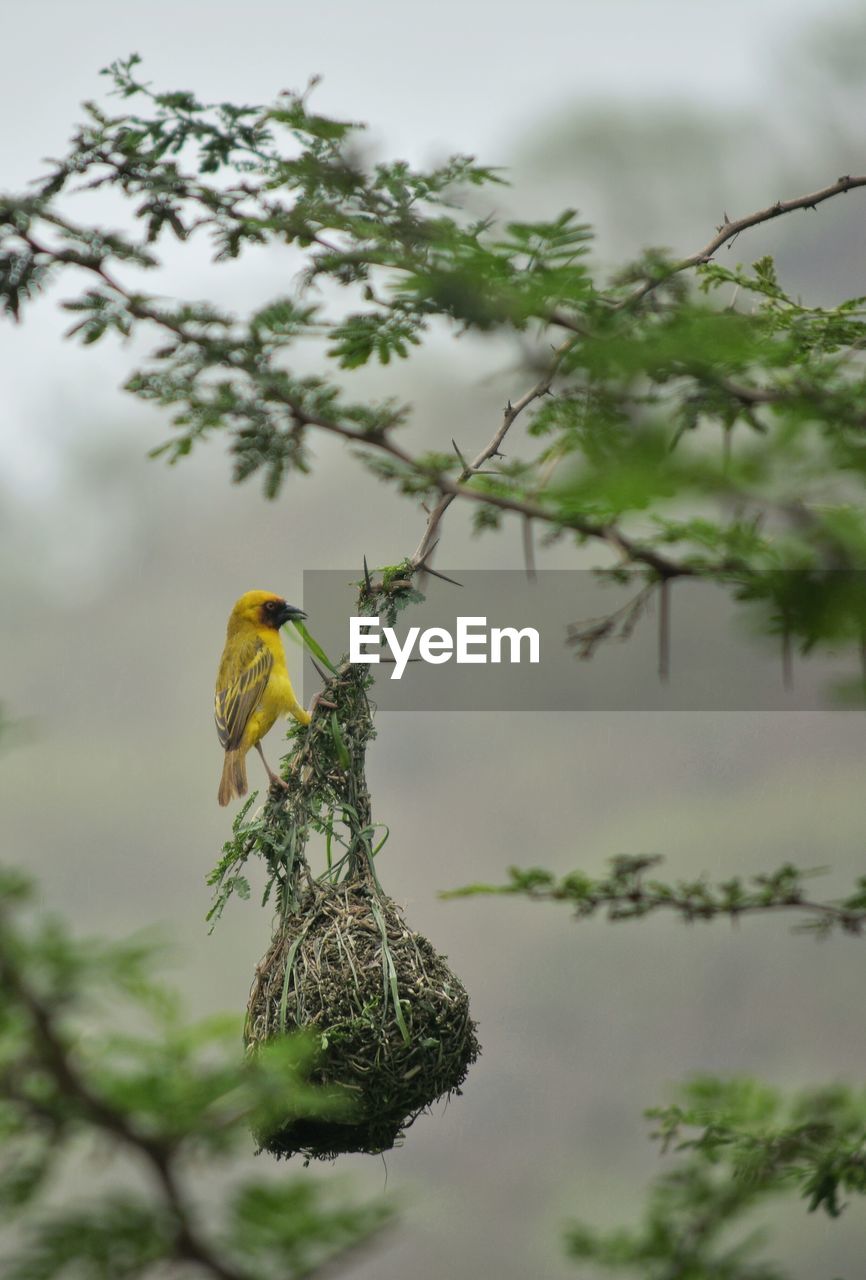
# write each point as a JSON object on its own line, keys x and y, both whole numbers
{"x": 234, "y": 779}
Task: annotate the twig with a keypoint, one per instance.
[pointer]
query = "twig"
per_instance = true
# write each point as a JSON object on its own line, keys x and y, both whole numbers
{"x": 625, "y": 894}
{"x": 629, "y": 548}
{"x": 787, "y": 661}
{"x": 510, "y": 415}
{"x": 664, "y": 631}
{"x": 633, "y": 907}
{"x": 619, "y": 624}
{"x": 528, "y": 549}
{"x": 729, "y": 230}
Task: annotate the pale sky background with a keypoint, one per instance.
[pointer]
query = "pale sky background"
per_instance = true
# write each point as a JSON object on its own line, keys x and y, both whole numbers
{"x": 466, "y": 74}
{"x": 116, "y": 576}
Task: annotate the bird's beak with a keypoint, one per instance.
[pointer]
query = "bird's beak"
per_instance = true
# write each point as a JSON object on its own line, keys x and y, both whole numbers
{"x": 288, "y": 612}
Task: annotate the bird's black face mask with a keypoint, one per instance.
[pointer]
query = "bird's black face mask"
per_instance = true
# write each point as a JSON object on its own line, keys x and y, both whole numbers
{"x": 286, "y": 612}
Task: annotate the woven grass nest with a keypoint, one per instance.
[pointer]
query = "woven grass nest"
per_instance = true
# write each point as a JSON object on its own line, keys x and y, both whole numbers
{"x": 392, "y": 1018}
{"x": 389, "y": 1017}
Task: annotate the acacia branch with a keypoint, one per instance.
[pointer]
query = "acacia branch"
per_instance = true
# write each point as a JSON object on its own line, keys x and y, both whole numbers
{"x": 626, "y": 894}
{"x": 632, "y": 551}
{"x": 683, "y": 903}
{"x": 510, "y": 415}
{"x": 629, "y": 549}
{"x": 730, "y": 229}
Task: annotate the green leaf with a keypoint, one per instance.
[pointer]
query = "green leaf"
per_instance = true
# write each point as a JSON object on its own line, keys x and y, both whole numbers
{"x": 313, "y": 645}
{"x": 342, "y": 750}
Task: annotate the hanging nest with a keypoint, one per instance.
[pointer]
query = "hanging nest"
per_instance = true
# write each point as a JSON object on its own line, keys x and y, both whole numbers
{"x": 390, "y": 1018}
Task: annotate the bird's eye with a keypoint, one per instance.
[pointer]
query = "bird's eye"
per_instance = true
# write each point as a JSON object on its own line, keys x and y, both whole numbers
{"x": 270, "y": 606}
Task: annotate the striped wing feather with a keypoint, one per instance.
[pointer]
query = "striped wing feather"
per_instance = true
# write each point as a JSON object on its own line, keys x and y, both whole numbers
{"x": 244, "y": 684}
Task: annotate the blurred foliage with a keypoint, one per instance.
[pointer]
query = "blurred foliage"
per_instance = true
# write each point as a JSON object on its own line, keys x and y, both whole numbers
{"x": 693, "y": 420}
{"x": 625, "y": 893}
{"x": 738, "y": 1142}
{"x": 95, "y": 1056}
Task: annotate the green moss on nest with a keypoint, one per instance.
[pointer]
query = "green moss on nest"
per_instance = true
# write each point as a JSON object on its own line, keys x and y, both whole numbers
{"x": 392, "y": 1018}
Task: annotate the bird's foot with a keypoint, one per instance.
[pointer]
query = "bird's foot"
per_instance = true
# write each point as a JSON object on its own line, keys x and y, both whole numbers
{"x": 275, "y": 780}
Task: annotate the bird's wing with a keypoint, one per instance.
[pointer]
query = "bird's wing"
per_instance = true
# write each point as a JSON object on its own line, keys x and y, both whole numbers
{"x": 243, "y": 680}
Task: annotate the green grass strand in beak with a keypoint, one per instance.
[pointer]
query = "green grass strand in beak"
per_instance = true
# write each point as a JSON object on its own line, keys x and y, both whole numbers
{"x": 312, "y": 645}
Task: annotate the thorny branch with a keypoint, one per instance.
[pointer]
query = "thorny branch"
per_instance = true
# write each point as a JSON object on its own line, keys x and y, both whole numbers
{"x": 510, "y": 415}
{"x": 630, "y": 551}
{"x": 729, "y": 230}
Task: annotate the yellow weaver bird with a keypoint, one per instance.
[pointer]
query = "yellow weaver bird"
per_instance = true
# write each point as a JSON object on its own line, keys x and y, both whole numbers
{"x": 253, "y": 686}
